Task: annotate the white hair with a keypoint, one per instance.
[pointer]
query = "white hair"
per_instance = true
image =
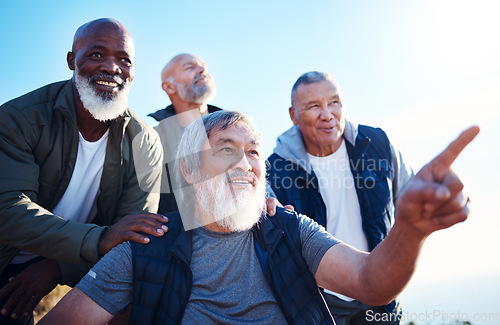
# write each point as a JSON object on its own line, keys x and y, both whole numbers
{"x": 102, "y": 109}
{"x": 235, "y": 211}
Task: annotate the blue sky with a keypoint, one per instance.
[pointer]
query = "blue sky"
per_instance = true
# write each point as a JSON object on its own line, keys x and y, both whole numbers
{"x": 421, "y": 70}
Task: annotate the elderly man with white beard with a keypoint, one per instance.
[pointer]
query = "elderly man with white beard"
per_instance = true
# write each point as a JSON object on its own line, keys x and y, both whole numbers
{"x": 68, "y": 185}
{"x": 239, "y": 266}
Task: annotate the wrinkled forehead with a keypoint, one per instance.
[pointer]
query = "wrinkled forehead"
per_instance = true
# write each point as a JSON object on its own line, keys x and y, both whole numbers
{"x": 324, "y": 86}
{"x": 240, "y": 132}
{"x": 187, "y": 59}
{"x": 307, "y": 92}
{"x": 178, "y": 62}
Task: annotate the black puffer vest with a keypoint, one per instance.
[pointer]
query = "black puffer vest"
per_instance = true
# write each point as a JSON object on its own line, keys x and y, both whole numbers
{"x": 163, "y": 279}
{"x": 372, "y": 168}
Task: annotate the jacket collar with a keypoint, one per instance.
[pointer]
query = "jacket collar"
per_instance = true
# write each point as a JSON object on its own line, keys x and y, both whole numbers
{"x": 183, "y": 246}
{"x": 65, "y": 104}
{"x": 266, "y": 237}
{"x": 163, "y": 113}
{"x": 169, "y": 111}
{"x": 266, "y": 234}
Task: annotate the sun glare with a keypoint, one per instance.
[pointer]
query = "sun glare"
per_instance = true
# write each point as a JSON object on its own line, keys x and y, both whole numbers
{"x": 463, "y": 34}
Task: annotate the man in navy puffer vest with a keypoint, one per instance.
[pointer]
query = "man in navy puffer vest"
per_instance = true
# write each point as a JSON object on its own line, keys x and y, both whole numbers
{"x": 226, "y": 263}
{"x": 344, "y": 176}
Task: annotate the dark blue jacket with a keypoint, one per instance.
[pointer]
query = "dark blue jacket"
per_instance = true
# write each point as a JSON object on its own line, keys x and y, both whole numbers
{"x": 163, "y": 279}
{"x": 377, "y": 171}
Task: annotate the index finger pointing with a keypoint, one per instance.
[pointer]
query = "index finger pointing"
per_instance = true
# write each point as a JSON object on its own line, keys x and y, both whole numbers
{"x": 448, "y": 155}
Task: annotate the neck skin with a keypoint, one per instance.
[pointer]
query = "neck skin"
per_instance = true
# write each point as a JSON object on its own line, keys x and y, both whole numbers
{"x": 192, "y": 110}
{"x": 90, "y": 128}
{"x": 323, "y": 151}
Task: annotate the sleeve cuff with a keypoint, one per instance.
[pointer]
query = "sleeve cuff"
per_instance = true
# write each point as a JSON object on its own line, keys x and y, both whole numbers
{"x": 90, "y": 247}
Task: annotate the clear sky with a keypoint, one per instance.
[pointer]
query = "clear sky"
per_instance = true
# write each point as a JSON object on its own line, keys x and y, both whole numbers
{"x": 421, "y": 70}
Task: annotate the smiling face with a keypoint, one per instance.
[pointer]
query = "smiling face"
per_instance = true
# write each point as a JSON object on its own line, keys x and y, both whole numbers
{"x": 235, "y": 153}
{"x": 226, "y": 171}
{"x": 317, "y": 110}
{"x": 103, "y": 52}
{"x": 102, "y": 60}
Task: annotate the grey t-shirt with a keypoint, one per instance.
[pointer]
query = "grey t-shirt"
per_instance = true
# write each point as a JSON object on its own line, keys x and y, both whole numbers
{"x": 229, "y": 286}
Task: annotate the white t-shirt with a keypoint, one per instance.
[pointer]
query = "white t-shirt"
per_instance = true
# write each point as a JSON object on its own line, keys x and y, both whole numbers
{"x": 338, "y": 190}
{"x": 78, "y": 201}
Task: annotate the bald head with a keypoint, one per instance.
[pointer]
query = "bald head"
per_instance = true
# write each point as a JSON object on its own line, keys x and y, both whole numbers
{"x": 176, "y": 62}
{"x": 102, "y": 60}
{"x": 98, "y": 27}
{"x": 186, "y": 80}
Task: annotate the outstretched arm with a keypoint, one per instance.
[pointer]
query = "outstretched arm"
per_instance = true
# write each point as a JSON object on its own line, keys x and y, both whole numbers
{"x": 431, "y": 201}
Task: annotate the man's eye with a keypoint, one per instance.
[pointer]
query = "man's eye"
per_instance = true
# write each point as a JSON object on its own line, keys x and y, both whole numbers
{"x": 96, "y": 55}
{"x": 126, "y": 61}
{"x": 254, "y": 153}
{"x": 227, "y": 150}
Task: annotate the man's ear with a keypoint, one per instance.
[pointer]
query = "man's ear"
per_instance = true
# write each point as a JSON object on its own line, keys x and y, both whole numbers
{"x": 71, "y": 60}
{"x": 293, "y": 117}
{"x": 169, "y": 88}
{"x": 187, "y": 175}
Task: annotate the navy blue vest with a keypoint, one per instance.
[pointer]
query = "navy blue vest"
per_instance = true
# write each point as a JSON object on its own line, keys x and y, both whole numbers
{"x": 163, "y": 279}
{"x": 372, "y": 169}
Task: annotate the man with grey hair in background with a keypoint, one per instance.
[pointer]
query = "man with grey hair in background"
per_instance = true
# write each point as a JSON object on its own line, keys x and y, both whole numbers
{"x": 237, "y": 265}
{"x": 69, "y": 190}
{"x": 343, "y": 175}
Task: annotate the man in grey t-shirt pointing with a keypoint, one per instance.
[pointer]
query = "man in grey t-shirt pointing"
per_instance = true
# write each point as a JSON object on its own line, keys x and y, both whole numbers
{"x": 235, "y": 266}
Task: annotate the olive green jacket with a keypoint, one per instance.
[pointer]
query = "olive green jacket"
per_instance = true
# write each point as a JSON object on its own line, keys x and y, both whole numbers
{"x": 38, "y": 148}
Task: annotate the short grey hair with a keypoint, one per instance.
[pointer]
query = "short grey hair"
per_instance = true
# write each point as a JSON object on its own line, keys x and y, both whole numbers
{"x": 196, "y": 134}
{"x": 309, "y": 78}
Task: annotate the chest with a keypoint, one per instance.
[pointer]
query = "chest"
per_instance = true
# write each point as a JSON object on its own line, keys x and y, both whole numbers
{"x": 228, "y": 283}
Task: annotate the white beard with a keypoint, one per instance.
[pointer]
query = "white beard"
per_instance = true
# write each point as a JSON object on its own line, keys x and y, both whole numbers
{"x": 237, "y": 210}
{"x": 194, "y": 93}
{"x": 102, "y": 109}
